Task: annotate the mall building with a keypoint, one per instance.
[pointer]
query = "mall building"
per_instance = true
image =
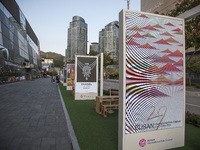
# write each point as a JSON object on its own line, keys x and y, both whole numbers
{"x": 19, "y": 46}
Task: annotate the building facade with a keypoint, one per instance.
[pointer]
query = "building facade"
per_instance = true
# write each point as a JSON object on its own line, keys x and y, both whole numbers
{"x": 19, "y": 46}
{"x": 158, "y": 6}
{"x": 48, "y": 64}
{"x": 94, "y": 47}
{"x": 77, "y": 38}
{"x": 108, "y": 40}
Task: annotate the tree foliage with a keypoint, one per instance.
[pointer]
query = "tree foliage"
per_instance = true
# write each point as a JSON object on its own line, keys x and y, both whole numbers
{"x": 52, "y": 73}
{"x": 93, "y": 53}
{"x": 192, "y": 26}
{"x": 192, "y": 34}
{"x": 193, "y": 66}
{"x": 58, "y": 63}
{"x": 107, "y": 60}
{"x": 112, "y": 74}
{"x": 182, "y": 6}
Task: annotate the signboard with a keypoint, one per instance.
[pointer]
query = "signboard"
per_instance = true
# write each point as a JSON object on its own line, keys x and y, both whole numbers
{"x": 86, "y": 77}
{"x": 70, "y": 76}
{"x": 60, "y": 75}
{"x": 152, "y": 90}
{"x": 64, "y": 76}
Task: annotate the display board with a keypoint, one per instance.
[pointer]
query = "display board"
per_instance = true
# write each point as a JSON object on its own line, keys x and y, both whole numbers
{"x": 152, "y": 90}
{"x": 86, "y": 77}
{"x": 64, "y": 76}
{"x": 70, "y": 76}
{"x": 60, "y": 75}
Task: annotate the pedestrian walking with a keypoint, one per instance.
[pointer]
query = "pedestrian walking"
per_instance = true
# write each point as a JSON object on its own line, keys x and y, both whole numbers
{"x": 57, "y": 80}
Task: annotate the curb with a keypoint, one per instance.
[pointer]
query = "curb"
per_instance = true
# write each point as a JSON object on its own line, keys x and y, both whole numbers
{"x": 72, "y": 136}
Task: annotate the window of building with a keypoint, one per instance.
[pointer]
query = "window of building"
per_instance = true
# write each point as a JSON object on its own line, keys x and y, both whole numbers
{"x": 5, "y": 11}
{"x": 4, "y": 53}
{"x": 32, "y": 44}
{"x": 22, "y": 20}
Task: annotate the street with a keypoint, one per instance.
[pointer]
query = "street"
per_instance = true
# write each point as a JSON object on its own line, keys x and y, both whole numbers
{"x": 193, "y": 101}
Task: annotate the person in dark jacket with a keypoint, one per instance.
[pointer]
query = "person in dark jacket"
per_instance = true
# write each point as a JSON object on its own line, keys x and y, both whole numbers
{"x": 57, "y": 80}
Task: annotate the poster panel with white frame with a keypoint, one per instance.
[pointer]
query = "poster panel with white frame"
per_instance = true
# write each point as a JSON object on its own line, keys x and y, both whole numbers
{"x": 152, "y": 78}
{"x": 64, "y": 76}
{"x": 86, "y": 77}
{"x": 70, "y": 76}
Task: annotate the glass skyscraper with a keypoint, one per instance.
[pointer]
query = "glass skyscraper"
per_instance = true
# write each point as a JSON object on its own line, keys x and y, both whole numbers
{"x": 19, "y": 46}
{"x": 77, "y": 38}
{"x": 108, "y": 40}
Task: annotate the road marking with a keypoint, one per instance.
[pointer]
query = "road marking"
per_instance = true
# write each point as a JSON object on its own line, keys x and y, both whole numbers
{"x": 193, "y": 105}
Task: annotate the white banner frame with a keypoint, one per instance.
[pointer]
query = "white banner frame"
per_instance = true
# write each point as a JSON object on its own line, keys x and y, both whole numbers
{"x": 86, "y": 90}
{"x": 64, "y": 76}
{"x": 149, "y": 140}
{"x": 70, "y": 87}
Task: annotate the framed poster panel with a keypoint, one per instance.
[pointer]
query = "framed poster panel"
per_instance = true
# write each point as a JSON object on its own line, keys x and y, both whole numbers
{"x": 64, "y": 76}
{"x": 152, "y": 91}
{"x": 86, "y": 77}
{"x": 70, "y": 76}
{"x": 61, "y": 76}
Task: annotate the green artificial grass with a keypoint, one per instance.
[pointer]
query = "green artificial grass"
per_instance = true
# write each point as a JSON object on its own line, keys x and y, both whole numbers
{"x": 192, "y": 138}
{"x": 92, "y": 130}
{"x": 95, "y": 132}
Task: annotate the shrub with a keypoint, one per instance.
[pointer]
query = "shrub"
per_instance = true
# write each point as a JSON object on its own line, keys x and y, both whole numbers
{"x": 192, "y": 119}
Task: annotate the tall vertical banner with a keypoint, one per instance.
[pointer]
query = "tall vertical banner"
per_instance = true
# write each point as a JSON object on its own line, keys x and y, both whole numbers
{"x": 70, "y": 76}
{"x": 152, "y": 91}
{"x": 64, "y": 76}
{"x": 86, "y": 77}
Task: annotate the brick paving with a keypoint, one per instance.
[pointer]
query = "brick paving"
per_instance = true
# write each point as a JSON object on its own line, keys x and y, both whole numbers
{"x": 31, "y": 117}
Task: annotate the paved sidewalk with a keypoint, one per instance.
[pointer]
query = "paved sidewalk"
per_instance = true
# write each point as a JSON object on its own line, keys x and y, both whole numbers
{"x": 31, "y": 117}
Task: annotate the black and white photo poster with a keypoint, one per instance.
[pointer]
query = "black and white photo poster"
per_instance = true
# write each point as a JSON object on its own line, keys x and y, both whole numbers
{"x": 86, "y": 77}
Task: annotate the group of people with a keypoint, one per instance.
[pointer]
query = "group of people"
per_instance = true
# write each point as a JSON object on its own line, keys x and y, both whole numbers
{"x": 55, "y": 79}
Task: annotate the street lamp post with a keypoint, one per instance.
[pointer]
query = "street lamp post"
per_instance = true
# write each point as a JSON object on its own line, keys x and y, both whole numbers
{"x": 128, "y": 2}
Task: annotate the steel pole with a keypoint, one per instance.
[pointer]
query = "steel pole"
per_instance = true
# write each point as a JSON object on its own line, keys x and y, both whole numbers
{"x": 101, "y": 84}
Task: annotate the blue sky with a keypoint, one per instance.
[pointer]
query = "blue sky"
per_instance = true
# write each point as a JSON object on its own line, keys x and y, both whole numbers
{"x": 50, "y": 18}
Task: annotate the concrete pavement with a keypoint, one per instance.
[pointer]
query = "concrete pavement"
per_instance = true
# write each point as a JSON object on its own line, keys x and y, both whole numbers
{"x": 31, "y": 117}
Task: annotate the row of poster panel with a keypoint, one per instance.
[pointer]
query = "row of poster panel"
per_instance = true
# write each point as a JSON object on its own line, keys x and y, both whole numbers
{"x": 152, "y": 91}
{"x": 83, "y": 76}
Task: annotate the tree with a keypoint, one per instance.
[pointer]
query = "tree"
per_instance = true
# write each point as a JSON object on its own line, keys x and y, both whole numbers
{"x": 108, "y": 60}
{"x": 192, "y": 26}
{"x": 58, "y": 63}
{"x": 93, "y": 53}
{"x": 182, "y": 6}
{"x": 193, "y": 66}
{"x": 192, "y": 33}
{"x": 53, "y": 73}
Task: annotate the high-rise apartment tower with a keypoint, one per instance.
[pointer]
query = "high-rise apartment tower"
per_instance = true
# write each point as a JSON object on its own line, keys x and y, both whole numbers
{"x": 77, "y": 38}
{"x": 108, "y": 40}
